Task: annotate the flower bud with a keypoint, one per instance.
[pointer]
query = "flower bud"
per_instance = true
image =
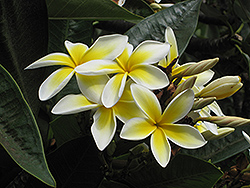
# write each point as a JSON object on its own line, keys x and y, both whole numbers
{"x": 189, "y": 69}
{"x": 201, "y": 103}
{"x": 222, "y": 132}
{"x": 189, "y": 83}
{"x": 221, "y": 88}
{"x": 225, "y": 121}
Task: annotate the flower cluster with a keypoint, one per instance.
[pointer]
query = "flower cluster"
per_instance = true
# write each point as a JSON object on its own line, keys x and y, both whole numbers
{"x": 119, "y": 82}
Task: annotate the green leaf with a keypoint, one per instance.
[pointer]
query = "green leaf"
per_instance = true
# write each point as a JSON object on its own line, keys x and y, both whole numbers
{"x": 76, "y": 164}
{"x": 181, "y": 17}
{"x": 89, "y": 10}
{"x": 183, "y": 171}
{"x": 66, "y": 128}
{"x": 19, "y": 133}
{"x": 23, "y": 40}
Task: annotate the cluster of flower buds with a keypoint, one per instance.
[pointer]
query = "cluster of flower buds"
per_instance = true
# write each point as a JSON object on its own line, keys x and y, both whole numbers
{"x": 119, "y": 81}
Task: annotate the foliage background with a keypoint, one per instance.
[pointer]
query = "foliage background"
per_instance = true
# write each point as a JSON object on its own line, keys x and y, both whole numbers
{"x": 32, "y": 29}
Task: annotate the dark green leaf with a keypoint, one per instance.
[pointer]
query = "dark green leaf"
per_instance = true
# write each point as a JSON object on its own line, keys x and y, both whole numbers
{"x": 76, "y": 164}
{"x": 65, "y": 128}
{"x": 19, "y": 133}
{"x": 181, "y": 17}
{"x": 89, "y": 10}
{"x": 138, "y": 7}
{"x": 182, "y": 172}
{"x": 24, "y": 39}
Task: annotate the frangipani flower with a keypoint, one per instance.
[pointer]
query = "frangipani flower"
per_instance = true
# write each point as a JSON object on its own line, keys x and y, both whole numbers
{"x": 160, "y": 126}
{"x": 105, "y": 48}
{"x": 104, "y": 126}
{"x": 134, "y": 64}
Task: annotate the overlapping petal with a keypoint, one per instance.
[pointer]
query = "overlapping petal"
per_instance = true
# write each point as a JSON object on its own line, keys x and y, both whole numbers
{"x": 148, "y": 52}
{"x": 106, "y": 47}
{"x": 55, "y": 83}
{"x": 104, "y": 127}
{"x": 76, "y": 51}
{"x": 160, "y": 147}
{"x": 178, "y": 107}
{"x": 71, "y": 104}
{"x": 99, "y": 67}
{"x": 215, "y": 108}
{"x": 137, "y": 129}
{"x": 124, "y": 57}
{"x": 147, "y": 101}
{"x": 170, "y": 38}
{"x": 205, "y": 112}
{"x": 204, "y": 77}
{"x": 149, "y": 76}
{"x": 92, "y": 86}
{"x": 126, "y": 110}
{"x": 183, "y": 135}
{"x": 52, "y": 59}
{"x": 113, "y": 90}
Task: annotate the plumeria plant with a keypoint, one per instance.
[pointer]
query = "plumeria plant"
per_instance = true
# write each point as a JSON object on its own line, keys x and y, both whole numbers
{"x": 135, "y": 108}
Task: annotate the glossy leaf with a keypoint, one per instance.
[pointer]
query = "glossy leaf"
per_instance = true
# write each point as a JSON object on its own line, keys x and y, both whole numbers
{"x": 183, "y": 171}
{"x": 24, "y": 39}
{"x": 181, "y": 17}
{"x": 89, "y": 10}
{"x": 19, "y": 133}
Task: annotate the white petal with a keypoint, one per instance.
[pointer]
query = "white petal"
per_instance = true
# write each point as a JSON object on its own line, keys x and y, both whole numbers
{"x": 146, "y": 101}
{"x": 148, "y": 52}
{"x": 137, "y": 129}
{"x": 72, "y": 104}
{"x": 92, "y": 86}
{"x": 149, "y": 76}
{"x": 179, "y": 107}
{"x": 99, "y": 67}
{"x": 55, "y": 83}
{"x": 246, "y": 136}
{"x": 160, "y": 147}
{"x": 106, "y": 47}
{"x": 170, "y": 38}
{"x": 104, "y": 127}
{"x": 183, "y": 135}
{"x": 52, "y": 59}
{"x": 113, "y": 90}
